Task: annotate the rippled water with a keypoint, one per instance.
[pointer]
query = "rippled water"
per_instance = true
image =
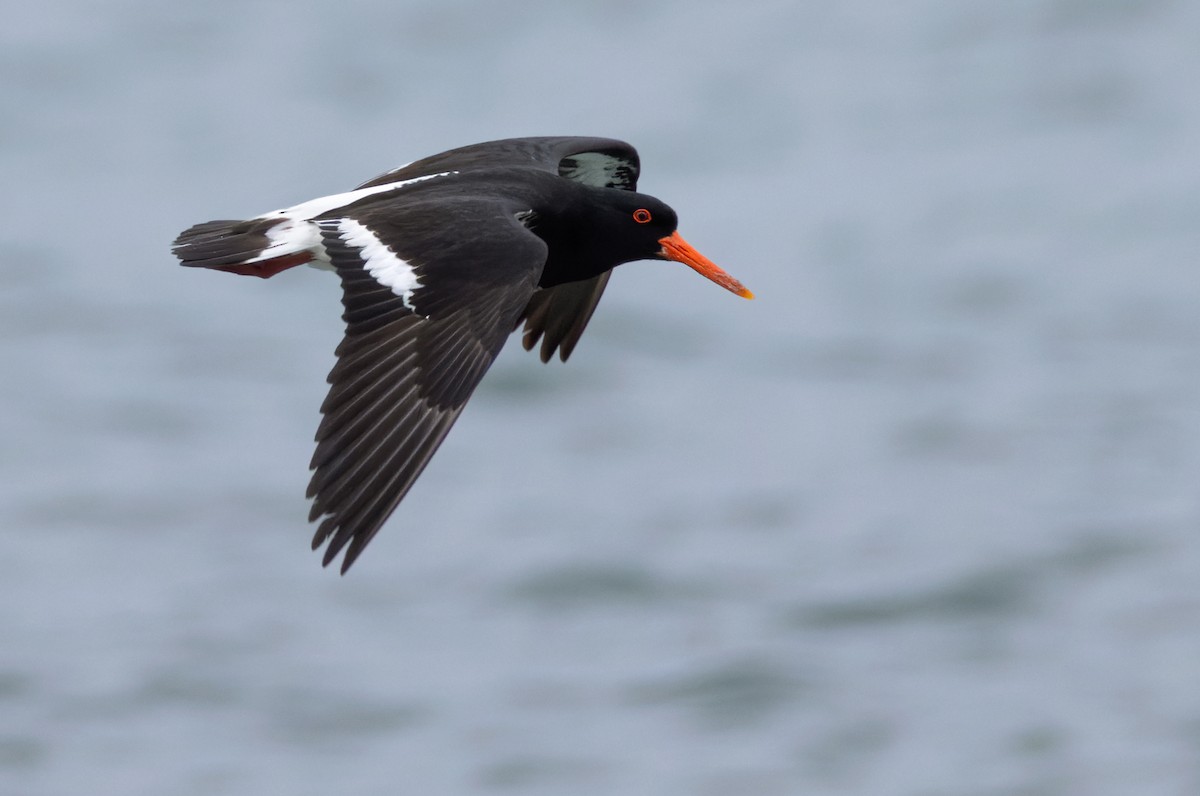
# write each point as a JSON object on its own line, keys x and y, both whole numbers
{"x": 922, "y": 519}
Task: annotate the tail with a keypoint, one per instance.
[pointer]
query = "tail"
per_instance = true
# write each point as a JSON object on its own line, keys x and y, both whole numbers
{"x": 258, "y": 247}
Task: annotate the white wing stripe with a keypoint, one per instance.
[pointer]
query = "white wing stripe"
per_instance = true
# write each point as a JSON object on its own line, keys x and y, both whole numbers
{"x": 380, "y": 261}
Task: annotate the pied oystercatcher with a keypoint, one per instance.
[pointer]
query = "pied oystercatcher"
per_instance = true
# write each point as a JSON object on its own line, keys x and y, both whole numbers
{"x": 440, "y": 260}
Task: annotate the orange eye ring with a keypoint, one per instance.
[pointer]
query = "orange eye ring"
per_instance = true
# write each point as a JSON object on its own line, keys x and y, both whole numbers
{"x": 642, "y": 215}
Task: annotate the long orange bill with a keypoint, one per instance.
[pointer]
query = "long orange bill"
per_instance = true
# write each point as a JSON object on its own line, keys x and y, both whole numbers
{"x": 674, "y": 247}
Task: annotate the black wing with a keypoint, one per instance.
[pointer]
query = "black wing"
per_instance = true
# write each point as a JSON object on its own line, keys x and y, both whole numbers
{"x": 557, "y": 316}
{"x": 426, "y": 315}
{"x": 601, "y": 162}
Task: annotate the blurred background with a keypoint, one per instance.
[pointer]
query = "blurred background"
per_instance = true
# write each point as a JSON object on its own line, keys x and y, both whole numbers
{"x": 922, "y": 519}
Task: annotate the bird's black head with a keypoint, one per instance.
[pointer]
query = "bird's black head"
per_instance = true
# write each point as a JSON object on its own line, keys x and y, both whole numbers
{"x": 591, "y": 230}
{"x": 631, "y": 225}
{"x": 640, "y": 227}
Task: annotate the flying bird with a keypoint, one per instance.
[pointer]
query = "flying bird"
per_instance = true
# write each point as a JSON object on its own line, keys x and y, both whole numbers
{"x": 440, "y": 260}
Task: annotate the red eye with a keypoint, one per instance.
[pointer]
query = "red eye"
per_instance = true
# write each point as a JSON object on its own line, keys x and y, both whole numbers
{"x": 642, "y": 215}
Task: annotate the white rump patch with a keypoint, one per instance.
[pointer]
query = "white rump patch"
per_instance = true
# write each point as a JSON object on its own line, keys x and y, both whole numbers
{"x": 595, "y": 168}
{"x": 291, "y": 236}
{"x": 322, "y": 205}
{"x": 380, "y": 261}
{"x": 296, "y": 231}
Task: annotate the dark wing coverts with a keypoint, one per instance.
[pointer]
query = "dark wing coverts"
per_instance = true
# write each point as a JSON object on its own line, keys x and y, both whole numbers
{"x": 406, "y": 367}
{"x": 600, "y": 162}
{"x": 557, "y": 316}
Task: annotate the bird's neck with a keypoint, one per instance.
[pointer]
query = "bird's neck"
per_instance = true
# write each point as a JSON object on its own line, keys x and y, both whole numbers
{"x": 579, "y": 244}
